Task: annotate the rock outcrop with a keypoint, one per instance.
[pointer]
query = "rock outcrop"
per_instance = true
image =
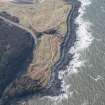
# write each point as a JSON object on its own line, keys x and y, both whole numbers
{"x": 47, "y": 21}
{"x": 16, "y": 47}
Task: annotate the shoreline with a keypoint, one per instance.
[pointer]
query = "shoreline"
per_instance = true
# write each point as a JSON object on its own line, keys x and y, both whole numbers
{"x": 54, "y": 86}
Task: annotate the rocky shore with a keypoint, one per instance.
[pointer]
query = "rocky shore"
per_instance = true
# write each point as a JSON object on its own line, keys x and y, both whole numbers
{"x": 55, "y": 35}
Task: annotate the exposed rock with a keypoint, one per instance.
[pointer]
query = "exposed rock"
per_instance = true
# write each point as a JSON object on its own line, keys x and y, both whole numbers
{"x": 16, "y": 47}
{"x": 47, "y": 20}
{"x": 8, "y": 16}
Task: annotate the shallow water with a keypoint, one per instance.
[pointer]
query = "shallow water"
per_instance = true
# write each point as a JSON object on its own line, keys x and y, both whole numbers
{"x": 88, "y": 80}
{"x": 89, "y": 83}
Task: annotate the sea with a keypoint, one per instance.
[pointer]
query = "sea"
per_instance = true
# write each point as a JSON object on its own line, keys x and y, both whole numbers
{"x": 84, "y": 79}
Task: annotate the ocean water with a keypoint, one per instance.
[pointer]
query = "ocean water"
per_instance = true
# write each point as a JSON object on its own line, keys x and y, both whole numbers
{"x": 84, "y": 79}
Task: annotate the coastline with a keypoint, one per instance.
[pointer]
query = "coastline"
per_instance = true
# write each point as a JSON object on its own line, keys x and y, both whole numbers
{"x": 54, "y": 86}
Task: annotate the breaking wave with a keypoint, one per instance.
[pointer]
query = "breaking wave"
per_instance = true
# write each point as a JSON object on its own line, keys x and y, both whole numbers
{"x": 83, "y": 41}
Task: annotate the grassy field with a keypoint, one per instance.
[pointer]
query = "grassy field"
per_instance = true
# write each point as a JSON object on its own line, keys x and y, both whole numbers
{"x": 39, "y": 17}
